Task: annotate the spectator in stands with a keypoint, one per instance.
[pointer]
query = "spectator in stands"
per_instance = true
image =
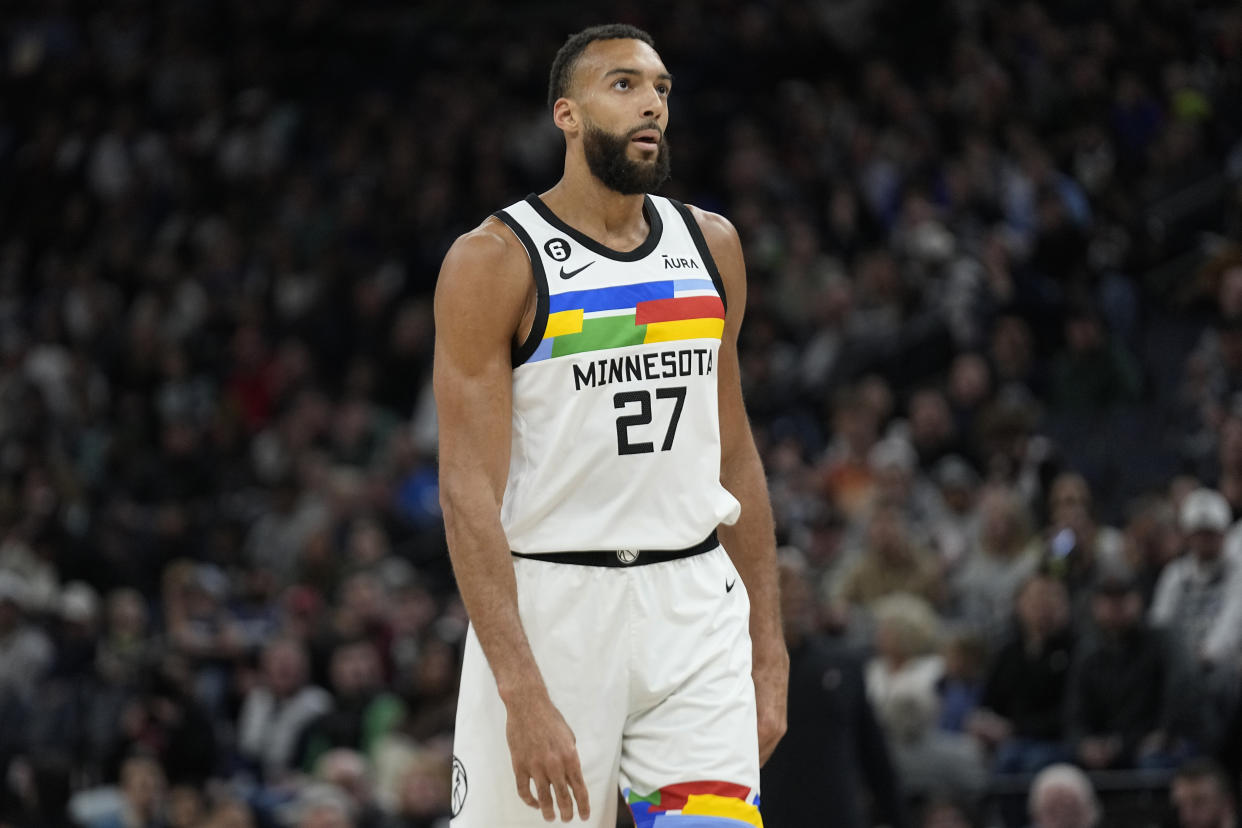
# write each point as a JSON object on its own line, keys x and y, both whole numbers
{"x": 347, "y": 771}
{"x": 364, "y": 712}
{"x": 847, "y": 476}
{"x": 1093, "y": 372}
{"x": 961, "y": 687}
{"x": 954, "y": 531}
{"x": 429, "y": 689}
{"x": 1122, "y": 702}
{"x": 930, "y": 761}
{"x": 142, "y": 796}
{"x": 933, "y": 432}
{"x": 184, "y": 807}
{"x": 1078, "y": 548}
{"x": 908, "y": 635}
{"x": 78, "y": 634}
{"x": 127, "y": 649}
{"x": 834, "y": 744}
{"x": 1203, "y": 797}
{"x": 1013, "y": 355}
{"x": 1020, "y": 713}
{"x": 1199, "y": 596}
{"x": 424, "y": 792}
{"x": 323, "y": 806}
{"x": 167, "y": 722}
{"x": 889, "y": 562}
{"x": 1004, "y": 555}
{"x": 1011, "y": 449}
{"x": 38, "y": 792}
{"x": 1151, "y": 541}
{"x": 230, "y": 813}
{"x": 1062, "y": 797}
{"x": 945, "y": 813}
{"x": 25, "y": 650}
{"x": 900, "y": 485}
{"x": 1199, "y": 600}
{"x": 275, "y": 713}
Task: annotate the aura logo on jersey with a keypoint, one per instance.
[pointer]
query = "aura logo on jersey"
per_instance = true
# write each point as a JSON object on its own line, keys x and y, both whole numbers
{"x": 597, "y": 319}
{"x": 677, "y": 264}
{"x": 706, "y": 804}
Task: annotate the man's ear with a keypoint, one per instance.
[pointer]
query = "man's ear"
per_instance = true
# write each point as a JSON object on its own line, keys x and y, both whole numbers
{"x": 565, "y": 115}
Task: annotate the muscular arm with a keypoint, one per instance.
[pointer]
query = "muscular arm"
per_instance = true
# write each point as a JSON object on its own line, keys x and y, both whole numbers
{"x": 481, "y": 298}
{"x": 751, "y": 542}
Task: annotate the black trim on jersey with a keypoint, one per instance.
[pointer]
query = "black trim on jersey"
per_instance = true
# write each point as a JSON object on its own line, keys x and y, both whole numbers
{"x": 523, "y": 352}
{"x": 653, "y": 235}
{"x": 705, "y": 253}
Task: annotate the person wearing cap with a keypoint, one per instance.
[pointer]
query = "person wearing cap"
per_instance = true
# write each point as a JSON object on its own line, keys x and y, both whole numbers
{"x": 1198, "y": 600}
{"x": 1199, "y": 595}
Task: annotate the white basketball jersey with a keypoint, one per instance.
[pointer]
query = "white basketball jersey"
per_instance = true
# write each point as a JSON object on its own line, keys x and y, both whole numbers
{"x": 616, "y": 429}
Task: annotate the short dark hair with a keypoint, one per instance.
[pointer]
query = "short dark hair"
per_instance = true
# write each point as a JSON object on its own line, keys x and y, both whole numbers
{"x": 567, "y": 56}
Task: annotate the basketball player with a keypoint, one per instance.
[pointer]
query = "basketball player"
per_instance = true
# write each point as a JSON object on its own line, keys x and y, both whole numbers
{"x": 595, "y": 465}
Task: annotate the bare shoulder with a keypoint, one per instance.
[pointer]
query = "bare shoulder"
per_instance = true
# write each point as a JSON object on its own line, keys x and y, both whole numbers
{"x": 722, "y": 240}
{"x": 489, "y": 251}
{"x": 718, "y": 231}
{"x": 486, "y": 271}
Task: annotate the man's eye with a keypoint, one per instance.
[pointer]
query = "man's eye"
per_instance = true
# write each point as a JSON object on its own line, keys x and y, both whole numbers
{"x": 621, "y": 83}
{"x": 662, "y": 89}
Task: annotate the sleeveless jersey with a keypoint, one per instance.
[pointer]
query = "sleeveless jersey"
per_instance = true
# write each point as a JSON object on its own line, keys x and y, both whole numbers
{"x": 616, "y": 429}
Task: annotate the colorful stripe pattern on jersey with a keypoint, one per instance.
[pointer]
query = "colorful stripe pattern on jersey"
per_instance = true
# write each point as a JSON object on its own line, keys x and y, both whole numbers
{"x": 616, "y": 317}
{"x": 706, "y": 804}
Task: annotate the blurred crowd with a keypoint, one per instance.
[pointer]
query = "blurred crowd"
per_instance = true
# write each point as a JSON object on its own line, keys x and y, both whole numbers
{"x": 992, "y": 355}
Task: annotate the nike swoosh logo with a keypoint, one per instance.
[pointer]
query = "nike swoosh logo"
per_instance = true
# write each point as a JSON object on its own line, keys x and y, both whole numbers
{"x": 729, "y": 586}
{"x": 572, "y": 273}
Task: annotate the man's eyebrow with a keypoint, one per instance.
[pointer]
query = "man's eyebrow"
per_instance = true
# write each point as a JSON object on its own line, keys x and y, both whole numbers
{"x": 625, "y": 70}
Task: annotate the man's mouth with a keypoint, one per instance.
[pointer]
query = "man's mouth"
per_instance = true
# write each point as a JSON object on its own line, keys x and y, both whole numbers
{"x": 647, "y": 138}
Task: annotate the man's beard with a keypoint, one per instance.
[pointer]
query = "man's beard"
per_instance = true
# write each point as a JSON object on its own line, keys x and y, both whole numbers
{"x": 606, "y": 157}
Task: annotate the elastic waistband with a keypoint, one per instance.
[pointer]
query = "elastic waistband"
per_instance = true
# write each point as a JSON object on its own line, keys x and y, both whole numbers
{"x": 624, "y": 557}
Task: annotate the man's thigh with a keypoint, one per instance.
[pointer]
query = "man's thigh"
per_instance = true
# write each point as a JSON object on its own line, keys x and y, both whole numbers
{"x": 569, "y": 615}
{"x": 690, "y": 755}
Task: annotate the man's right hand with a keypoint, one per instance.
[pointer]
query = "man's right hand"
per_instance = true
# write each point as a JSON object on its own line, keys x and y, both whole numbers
{"x": 543, "y": 751}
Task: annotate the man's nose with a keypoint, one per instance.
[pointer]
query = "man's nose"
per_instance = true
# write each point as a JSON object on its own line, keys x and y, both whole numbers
{"x": 653, "y": 104}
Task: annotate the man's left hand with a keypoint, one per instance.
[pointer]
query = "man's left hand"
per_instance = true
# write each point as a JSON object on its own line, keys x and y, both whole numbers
{"x": 771, "y": 676}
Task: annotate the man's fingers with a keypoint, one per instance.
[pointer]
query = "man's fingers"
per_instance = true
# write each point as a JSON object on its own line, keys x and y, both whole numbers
{"x": 578, "y": 785}
{"x": 523, "y": 788}
{"x": 564, "y": 801}
{"x": 546, "y": 804}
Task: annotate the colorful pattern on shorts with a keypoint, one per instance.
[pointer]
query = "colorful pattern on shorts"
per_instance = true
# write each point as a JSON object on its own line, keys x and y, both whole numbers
{"x": 706, "y": 804}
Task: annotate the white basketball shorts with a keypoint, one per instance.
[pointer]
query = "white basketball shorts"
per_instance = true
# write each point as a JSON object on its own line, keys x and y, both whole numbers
{"x": 650, "y": 666}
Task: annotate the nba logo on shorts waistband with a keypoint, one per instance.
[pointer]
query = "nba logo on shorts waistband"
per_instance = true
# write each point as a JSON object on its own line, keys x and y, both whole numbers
{"x": 627, "y": 556}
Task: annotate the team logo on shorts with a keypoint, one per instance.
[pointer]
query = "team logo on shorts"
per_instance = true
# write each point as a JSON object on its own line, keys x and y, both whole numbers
{"x": 627, "y": 556}
{"x": 459, "y": 785}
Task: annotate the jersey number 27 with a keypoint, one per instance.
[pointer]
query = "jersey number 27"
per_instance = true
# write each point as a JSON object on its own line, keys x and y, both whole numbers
{"x": 622, "y": 400}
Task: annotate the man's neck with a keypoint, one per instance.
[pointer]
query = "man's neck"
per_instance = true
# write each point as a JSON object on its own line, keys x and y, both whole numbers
{"x": 583, "y": 202}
